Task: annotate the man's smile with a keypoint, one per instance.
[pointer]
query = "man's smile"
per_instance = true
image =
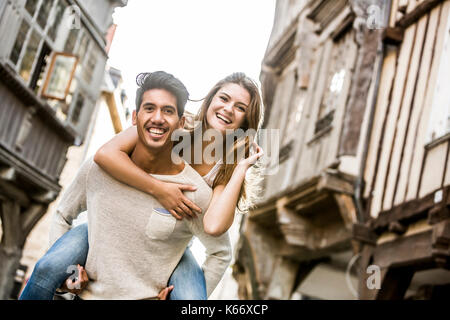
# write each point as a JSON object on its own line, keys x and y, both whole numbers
{"x": 156, "y": 132}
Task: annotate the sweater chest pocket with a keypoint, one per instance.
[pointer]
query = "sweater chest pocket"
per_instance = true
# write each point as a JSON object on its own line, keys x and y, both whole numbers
{"x": 160, "y": 224}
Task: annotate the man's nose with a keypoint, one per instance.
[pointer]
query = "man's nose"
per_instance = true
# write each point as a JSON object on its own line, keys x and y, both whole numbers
{"x": 158, "y": 117}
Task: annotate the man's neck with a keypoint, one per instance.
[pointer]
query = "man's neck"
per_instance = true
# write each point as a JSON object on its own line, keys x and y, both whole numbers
{"x": 155, "y": 161}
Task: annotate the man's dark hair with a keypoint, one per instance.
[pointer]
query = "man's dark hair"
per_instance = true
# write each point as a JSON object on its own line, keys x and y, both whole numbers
{"x": 161, "y": 80}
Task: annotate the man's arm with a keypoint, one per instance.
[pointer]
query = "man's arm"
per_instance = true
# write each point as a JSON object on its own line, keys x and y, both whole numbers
{"x": 218, "y": 254}
{"x": 72, "y": 203}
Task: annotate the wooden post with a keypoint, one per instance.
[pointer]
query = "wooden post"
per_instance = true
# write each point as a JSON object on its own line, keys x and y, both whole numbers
{"x": 10, "y": 251}
{"x": 16, "y": 226}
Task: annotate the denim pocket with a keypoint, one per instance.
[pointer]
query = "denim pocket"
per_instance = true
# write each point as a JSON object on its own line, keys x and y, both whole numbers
{"x": 160, "y": 224}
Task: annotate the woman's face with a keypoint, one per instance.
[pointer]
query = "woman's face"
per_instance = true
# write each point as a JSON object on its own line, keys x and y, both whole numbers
{"x": 228, "y": 108}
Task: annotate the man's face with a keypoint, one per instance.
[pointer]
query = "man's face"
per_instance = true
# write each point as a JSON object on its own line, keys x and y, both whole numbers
{"x": 157, "y": 118}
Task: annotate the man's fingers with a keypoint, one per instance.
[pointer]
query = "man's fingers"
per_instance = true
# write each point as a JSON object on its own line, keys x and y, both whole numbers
{"x": 174, "y": 213}
{"x": 163, "y": 294}
{"x": 186, "y": 187}
{"x": 186, "y": 210}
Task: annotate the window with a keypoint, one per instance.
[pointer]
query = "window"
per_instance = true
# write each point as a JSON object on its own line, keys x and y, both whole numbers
{"x": 20, "y": 40}
{"x": 40, "y": 30}
{"x": 439, "y": 123}
{"x": 78, "y": 106}
{"x": 30, "y": 55}
{"x": 295, "y": 115}
{"x": 89, "y": 67}
{"x": 44, "y": 13}
{"x": 58, "y": 14}
{"x": 30, "y": 6}
{"x": 337, "y": 72}
{"x": 71, "y": 40}
{"x": 60, "y": 76}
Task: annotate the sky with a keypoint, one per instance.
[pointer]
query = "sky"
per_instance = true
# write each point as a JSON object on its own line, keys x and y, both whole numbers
{"x": 198, "y": 41}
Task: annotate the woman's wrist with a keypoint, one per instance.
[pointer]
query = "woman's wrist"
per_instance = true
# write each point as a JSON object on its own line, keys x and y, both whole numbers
{"x": 154, "y": 186}
{"x": 241, "y": 168}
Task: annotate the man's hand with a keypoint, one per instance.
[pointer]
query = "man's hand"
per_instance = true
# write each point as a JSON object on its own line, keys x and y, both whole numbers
{"x": 76, "y": 285}
{"x": 164, "y": 293}
{"x": 171, "y": 197}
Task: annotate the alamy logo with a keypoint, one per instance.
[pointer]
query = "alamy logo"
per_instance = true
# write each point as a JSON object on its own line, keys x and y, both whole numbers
{"x": 72, "y": 16}
{"x": 74, "y": 276}
{"x": 234, "y": 141}
{"x": 373, "y": 282}
{"x": 375, "y": 17}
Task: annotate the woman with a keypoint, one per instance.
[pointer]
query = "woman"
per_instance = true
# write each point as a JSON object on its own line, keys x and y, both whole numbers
{"x": 233, "y": 103}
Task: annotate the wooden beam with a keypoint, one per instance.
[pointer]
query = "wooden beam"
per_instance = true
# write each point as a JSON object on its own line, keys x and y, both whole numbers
{"x": 45, "y": 197}
{"x": 415, "y": 250}
{"x": 419, "y": 11}
{"x": 395, "y": 282}
{"x": 12, "y": 231}
{"x": 393, "y": 36}
{"x": 8, "y": 174}
{"x": 29, "y": 219}
{"x": 14, "y": 193}
{"x": 346, "y": 209}
{"x": 414, "y": 210}
{"x": 364, "y": 234}
{"x": 441, "y": 243}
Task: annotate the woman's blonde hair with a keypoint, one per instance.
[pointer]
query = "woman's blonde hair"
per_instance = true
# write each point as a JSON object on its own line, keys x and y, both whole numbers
{"x": 253, "y": 120}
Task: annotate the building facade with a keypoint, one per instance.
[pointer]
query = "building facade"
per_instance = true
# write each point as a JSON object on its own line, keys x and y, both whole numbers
{"x": 52, "y": 63}
{"x": 353, "y": 130}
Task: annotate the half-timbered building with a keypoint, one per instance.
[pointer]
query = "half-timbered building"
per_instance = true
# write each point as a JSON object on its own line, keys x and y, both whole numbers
{"x": 52, "y": 62}
{"x": 356, "y": 89}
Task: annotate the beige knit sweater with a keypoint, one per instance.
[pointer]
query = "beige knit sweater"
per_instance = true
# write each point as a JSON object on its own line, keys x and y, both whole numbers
{"x": 133, "y": 245}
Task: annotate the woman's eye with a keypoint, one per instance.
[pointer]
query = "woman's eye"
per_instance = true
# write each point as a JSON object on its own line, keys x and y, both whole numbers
{"x": 223, "y": 99}
{"x": 241, "y": 109}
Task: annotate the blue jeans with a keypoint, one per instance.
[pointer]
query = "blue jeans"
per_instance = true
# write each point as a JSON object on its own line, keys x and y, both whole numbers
{"x": 72, "y": 248}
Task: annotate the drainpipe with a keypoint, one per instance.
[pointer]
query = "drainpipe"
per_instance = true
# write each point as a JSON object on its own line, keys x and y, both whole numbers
{"x": 359, "y": 183}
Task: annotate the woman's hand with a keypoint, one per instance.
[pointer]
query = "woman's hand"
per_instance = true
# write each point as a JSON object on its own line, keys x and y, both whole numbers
{"x": 253, "y": 157}
{"x": 172, "y": 198}
{"x": 77, "y": 286}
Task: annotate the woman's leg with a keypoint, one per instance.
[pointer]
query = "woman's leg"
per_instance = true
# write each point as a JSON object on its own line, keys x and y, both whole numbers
{"x": 52, "y": 269}
{"x": 188, "y": 279}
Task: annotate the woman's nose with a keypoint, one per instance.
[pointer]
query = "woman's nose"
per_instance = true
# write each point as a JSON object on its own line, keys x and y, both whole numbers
{"x": 228, "y": 107}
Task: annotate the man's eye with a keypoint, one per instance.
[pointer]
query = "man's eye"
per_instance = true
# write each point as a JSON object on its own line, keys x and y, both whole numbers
{"x": 169, "y": 111}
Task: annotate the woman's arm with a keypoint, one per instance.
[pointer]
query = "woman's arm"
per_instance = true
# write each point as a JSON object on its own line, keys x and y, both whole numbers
{"x": 113, "y": 157}
{"x": 220, "y": 214}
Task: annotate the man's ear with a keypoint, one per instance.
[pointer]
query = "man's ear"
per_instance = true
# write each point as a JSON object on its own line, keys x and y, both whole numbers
{"x": 134, "y": 117}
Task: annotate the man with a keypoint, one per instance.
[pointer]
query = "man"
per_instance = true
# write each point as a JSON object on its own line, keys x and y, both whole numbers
{"x": 135, "y": 244}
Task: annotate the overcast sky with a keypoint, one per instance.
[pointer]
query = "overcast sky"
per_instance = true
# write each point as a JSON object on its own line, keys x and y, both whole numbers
{"x": 199, "y": 41}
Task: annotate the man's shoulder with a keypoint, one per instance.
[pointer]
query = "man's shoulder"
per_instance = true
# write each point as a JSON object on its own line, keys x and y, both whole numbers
{"x": 90, "y": 168}
{"x": 194, "y": 178}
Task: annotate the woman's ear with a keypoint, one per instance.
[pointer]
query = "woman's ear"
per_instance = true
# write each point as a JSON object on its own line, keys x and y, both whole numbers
{"x": 182, "y": 122}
